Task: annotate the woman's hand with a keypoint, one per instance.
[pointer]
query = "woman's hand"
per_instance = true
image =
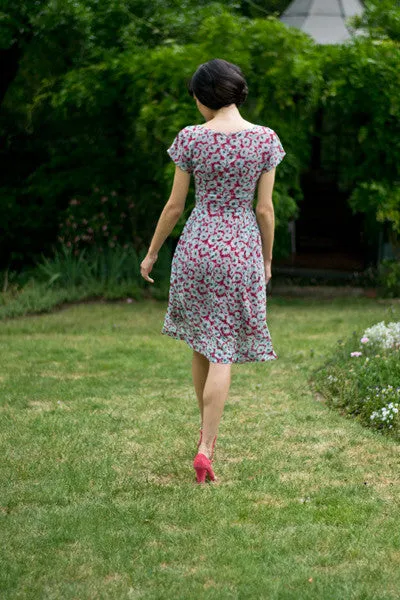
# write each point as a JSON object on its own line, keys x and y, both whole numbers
{"x": 147, "y": 265}
{"x": 267, "y": 268}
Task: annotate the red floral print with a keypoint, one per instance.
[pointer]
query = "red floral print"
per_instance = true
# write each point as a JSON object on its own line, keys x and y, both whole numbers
{"x": 217, "y": 298}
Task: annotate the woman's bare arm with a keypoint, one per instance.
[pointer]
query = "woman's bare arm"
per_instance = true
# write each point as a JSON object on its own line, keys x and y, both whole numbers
{"x": 265, "y": 213}
{"x": 172, "y": 210}
{"x": 168, "y": 219}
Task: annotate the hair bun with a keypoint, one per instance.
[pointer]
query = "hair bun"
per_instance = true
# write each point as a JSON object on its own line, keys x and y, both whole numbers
{"x": 218, "y": 83}
{"x": 242, "y": 94}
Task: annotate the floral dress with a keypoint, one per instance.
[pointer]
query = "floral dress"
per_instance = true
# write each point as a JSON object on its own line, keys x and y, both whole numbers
{"x": 217, "y": 298}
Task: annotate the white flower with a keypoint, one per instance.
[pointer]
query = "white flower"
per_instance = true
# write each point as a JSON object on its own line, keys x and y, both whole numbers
{"x": 385, "y": 414}
{"x": 384, "y": 336}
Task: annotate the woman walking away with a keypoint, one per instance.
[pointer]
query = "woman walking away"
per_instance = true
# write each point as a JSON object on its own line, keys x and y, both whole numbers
{"x": 222, "y": 262}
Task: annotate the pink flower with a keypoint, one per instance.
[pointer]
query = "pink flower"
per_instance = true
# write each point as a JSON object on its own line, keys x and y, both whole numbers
{"x": 129, "y": 300}
{"x": 104, "y": 227}
{"x": 90, "y": 230}
{"x": 74, "y": 202}
{"x": 355, "y": 353}
{"x": 113, "y": 193}
{"x": 103, "y": 199}
{"x": 364, "y": 340}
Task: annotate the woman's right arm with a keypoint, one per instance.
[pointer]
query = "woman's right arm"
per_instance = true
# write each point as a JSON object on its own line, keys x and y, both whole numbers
{"x": 266, "y": 217}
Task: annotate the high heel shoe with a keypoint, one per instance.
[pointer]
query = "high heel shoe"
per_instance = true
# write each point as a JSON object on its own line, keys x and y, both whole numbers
{"x": 202, "y": 466}
{"x": 213, "y": 444}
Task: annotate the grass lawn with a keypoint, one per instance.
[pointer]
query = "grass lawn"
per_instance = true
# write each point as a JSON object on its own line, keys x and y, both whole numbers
{"x": 98, "y": 433}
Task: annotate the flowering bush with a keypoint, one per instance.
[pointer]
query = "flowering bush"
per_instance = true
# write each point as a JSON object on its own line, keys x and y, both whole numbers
{"x": 362, "y": 378}
{"x": 387, "y": 415}
{"x": 383, "y": 336}
{"x": 99, "y": 220}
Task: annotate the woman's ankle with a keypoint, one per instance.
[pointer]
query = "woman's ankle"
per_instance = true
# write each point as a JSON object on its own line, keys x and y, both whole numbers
{"x": 203, "y": 449}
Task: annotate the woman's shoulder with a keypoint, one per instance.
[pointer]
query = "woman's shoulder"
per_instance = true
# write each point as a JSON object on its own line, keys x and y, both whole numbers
{"x": 190, "y": 132}
{"x": 268, "y": 130}
{"x": 188, "y": 129}
{"x": 186, "y": 134}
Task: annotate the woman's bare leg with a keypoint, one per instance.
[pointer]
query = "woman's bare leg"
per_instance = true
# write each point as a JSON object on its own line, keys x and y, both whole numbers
{"x": 200, "y": 365}
{"x": 215, "y": 393}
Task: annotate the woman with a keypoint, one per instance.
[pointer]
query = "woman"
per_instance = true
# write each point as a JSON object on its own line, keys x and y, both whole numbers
{"x": 222, "y": 262}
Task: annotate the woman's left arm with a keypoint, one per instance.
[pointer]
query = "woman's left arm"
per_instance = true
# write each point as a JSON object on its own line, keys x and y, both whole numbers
{"x": 168, "y": 219}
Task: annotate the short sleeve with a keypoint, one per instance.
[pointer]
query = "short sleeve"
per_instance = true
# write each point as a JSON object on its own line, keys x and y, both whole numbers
{"x": 273, "y": 154}
{"x": 180, "y": 151}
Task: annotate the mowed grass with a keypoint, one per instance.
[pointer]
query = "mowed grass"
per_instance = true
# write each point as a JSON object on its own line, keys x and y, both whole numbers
{"x": 99, "y": 426}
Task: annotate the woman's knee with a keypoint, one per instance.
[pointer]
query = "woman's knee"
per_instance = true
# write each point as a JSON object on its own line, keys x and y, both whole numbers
{"x": 219, "y": 372}
{"x": 200, "y": 356}
{"x": 221, "y": 367}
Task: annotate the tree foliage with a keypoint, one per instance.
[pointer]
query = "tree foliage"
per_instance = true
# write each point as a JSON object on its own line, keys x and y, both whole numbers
{"x": 380, "y": 19}
{"x": 95, "y": 91}
{"x": 362, "y": 105}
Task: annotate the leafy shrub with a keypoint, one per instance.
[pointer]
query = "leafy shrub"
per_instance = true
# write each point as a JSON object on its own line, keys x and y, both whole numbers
{"x": 108, "y": 267}
{"x": 70, "y": 276}
{"x": 389, "y": 278}
{"x": 107, "y": 104}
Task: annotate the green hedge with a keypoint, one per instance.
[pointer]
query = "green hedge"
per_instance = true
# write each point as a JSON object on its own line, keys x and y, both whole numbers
{"x": 96, "y": 119}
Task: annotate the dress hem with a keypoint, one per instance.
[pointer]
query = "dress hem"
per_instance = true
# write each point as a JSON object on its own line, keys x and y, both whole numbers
{"x": 182, "y": 337}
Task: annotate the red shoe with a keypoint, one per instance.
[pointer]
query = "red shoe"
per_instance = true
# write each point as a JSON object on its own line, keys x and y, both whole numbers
{"x": 213, "y": 444}
{"x": 202, "y": 466}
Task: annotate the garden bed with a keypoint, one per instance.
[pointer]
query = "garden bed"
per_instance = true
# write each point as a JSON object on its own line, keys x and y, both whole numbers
{"x": 362, "y": 377}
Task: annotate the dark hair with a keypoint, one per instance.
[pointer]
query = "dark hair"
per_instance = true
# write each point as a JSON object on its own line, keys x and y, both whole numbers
{"x": 218, "y": 83}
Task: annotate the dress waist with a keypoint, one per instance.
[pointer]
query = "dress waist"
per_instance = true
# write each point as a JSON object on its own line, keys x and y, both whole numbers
{"x": 216, "y": 208}
{"x": 231, "y": 202}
